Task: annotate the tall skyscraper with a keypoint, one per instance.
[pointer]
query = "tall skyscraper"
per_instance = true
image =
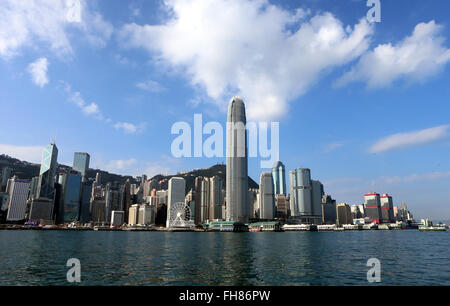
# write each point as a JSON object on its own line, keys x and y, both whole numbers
{"x": 373, "y": 206}
{"x": 279, "y": 178}
{"x": 328, "y": 210}
{"x": 344, "y": 214}
{"x": 69, "y": 208}
{"x": 5, "y": 176}
{"x": 301, "y": 203}
{"x": 81, "y": 163}
{"x": 215, "y": 203}
{"x": 237, "y": 167}
{"x": 267, "y": 198}
{"x": 46, "y": 183}
{"x": 18, "y": 194}
{"x": 387, "y": 208}
{"x": 177, "y": 189}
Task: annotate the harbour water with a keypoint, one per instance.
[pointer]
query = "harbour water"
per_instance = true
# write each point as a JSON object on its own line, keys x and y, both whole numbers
{"x": 407, "y": 257}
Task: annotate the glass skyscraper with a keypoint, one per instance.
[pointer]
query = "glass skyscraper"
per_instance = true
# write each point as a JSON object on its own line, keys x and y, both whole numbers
{"x": 48, "y": 171}
{"x": 81, "y": 163}
{"x": 70, "y": 204}
{"x": 279, "y": 178}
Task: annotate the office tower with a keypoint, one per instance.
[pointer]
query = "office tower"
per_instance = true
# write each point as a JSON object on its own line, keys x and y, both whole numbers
{"x": 279, "y": 178}
{"x": 202, "y": 199}
{"x": 176, "y": 194}
{"x": 81, "y": 163}
{"x": 373, "y": 206}
{"x": 117, "y": 218}
{"x": 17, "y": 199}
{"x": 146, "y": 215}
{"x": 328, "y": 210}
{"x": 34, "y": 188}
{"x": 316, "y": 198}
{"x": 69, "y": 208}
{"x": 143, "y": 180}
{"x": 41, "y": 209}
{"x": 282, "y": 206}
{"x": 133, "y": 214}
{"x": 98, "y": 208}
{"x": 112, "y": 198}
{"x": 304, "y": 199}
{"x": 387, "y": 208}
{"x": 215, "y": 203}
{"x": 266, "y": 198}
{"x": 344, "y": 214}
{"x": 86, "y": 192}
{"x": 362, "y": 210}
{"x": 236, "y": 167}
{"x": 5, "y": 176}
{"x": 126, "y": 198}
{"x": 48, "y": 171}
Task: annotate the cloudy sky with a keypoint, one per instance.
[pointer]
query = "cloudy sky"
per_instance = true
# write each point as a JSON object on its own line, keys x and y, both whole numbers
{"x": 364, "y": 106}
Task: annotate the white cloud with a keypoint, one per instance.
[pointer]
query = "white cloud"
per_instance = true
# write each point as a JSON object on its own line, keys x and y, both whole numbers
{"x": 260, "y": 51}
{"x": 332, "y": 146}
{"x": 414, "y": 59}
{"x": 120, "y": 166}
{"x": 150, "y": 85}
{"x": 129, "y": 128}
{"x": 32, "y": 22}
{"x": 417, "y": 177}
{"x": 38, "y": 71}
{"x": 410, "y": 139}
{"x": 32, "y": 154}
{"x": 89, "y": 109}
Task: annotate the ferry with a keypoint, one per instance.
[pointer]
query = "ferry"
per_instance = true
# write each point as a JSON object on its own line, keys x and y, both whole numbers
{"x": 432, "y": 228}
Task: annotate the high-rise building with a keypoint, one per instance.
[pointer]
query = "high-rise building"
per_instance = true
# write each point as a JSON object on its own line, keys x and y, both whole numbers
{"x": 112, "y": 198}
{"x": 301, "y": 202}
{"x": 146, "y": 215}
{"x": 177, "y": 189}
{"x": 98, "y": 211}
{"x": 47, "y": 174}
{"x": 316, "y": 198}
{"x": 216, "y": 199}
{"x": 133, "y": 214}
{"x": 69, "y": 207}
{"x": 266, "y": 198}
{"x": 373, "y": 207}
{"x": 387, "y": 208}
{"x": 98, "y": 179}
{"x": 282, "y": 206}
{"x": 5, "y": 176}
{"x": 328, "y": 210}
{"x": 34, "y": 188}
{"x": 41, "y": 209}
{"x": 279, "y": 178}
{"x": 344, "y": 214}
{"x": 236, "y": 166}
{"x": 85, "y": 203}
{"x": 17, "y": 199}
{"x": 117, "y": 218}
{"x": 81, "y": 163}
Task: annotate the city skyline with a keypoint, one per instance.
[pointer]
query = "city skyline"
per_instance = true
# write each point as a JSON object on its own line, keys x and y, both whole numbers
{"x": 95, "y": 86}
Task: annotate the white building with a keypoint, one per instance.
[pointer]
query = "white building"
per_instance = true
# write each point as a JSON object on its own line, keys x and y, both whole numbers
{"x": 146, "y": 215}
{"x": 18, "y": 194}
{"x": 176, "y": 194}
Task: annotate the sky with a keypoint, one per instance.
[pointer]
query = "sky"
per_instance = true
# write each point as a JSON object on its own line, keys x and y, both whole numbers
{"x": 364, "y": 105}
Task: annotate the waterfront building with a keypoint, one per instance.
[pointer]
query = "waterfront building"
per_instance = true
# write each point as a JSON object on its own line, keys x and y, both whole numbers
{"x": 117, "y": 218}
{"x": 266, "y": 196}
{"x": 387, "y": 208}
{"x": 81, "y": 164}
{"x": 85, "y": 202}
{"x": 46, "y": 188}
{"x": 272, "y": 226}
{"x": 279, "y": 178}
{"x": 302, "y": 194}
{"x": 344, "y": 214}
{"x": 133, "y": 214}
{"x": 34, "y": 188}
{"x": 356, "y": 213}
{"x": 216, "y": 198}
{"x": 236, "y": 163}
{"x": 41, "y": 209}
{"x": 69, "y": 206}
{"x": 146, "y": 215}
{"x": 373, "y": 207}
{"x": 362, "y": 210}
{"x": 17, "y": 199}
{"x": 176, "y": 194}
{"x": 112, "y": 198}
{"x": 98, "y": 208}
{"x": 328, "y": 210}
{"x": 282, "y": 206}
{"x": 253, "y": 203}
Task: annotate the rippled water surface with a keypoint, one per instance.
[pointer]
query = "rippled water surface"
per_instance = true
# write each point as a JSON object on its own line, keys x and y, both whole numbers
{"x": 160, "y": 258}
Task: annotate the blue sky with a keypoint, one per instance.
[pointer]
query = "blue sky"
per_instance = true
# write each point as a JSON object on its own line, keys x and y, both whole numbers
{"x": 364, "y": 106}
